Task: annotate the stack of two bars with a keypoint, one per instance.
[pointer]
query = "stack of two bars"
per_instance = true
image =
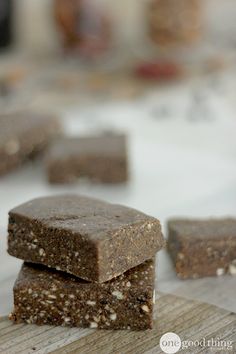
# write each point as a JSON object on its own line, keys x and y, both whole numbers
{"x": 103, "y": 257}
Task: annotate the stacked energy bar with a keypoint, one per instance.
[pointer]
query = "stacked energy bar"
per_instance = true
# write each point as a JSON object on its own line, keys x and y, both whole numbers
{"x": 88, "y": 263}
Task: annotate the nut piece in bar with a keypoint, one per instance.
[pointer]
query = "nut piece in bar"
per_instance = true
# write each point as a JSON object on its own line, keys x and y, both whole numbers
{"x": 201, "y": 248}
{"x": 45, "y": 296}
{"x": 89, "y": 238}
{"x": 101, "y": 158}
{"x": 22, "y": 136}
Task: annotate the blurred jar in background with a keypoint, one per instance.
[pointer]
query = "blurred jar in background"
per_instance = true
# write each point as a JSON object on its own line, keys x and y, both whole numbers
{"x": 127, "y": 30}
{"x": 173, "y": 29}
{"x": 85, "y": 26}
{"x": 174, "y": 22}
{"x": 5, "y": 23}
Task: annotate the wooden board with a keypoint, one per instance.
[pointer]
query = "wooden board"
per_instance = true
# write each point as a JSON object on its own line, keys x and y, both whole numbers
{"x": 191, "y": 320}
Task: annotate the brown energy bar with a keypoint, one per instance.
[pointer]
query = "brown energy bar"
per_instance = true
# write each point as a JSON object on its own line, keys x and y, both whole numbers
{"x": 45, "y": 296}
{"x": 22, "y": 136}
{"x": 101, "y": 158}
{"x": 89, "y": 238}
{"x": 202, "y": 248}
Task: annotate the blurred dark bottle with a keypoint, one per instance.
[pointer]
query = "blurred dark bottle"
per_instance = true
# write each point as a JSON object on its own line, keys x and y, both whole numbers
{"x": 5, "y": 23}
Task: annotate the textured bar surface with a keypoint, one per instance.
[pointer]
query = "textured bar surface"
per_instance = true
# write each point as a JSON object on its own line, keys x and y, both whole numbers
{"x": 22, "y": 136}
{"x": 100, "y": 158}
{"x": 89, "y": 238}
{"x": 45, "y": 296}
{"x": 201, "y": 248}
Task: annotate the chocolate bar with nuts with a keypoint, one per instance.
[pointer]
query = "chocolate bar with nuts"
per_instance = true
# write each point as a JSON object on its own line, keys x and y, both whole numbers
{"x": 86, "y": 237}
{"x": 100, "y": 158}
{"x": 22, "y": 136}
{"x": 45, "y": 296}
{"x": 201, "y": 248}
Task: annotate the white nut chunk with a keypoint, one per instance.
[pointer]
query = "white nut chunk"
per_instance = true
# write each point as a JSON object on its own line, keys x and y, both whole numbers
{"x": 118, "y": 294}
{"x": 145, "y": 308}
{"x": 220, "y": 271}
{"x": 113, "y": 316}
{"x": 93, "y": 325}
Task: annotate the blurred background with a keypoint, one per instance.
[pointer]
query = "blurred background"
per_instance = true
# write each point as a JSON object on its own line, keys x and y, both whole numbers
{"x": 161, "y": 71}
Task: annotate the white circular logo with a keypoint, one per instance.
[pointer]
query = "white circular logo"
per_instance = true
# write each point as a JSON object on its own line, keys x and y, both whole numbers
{"x": 170, "y": 343}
